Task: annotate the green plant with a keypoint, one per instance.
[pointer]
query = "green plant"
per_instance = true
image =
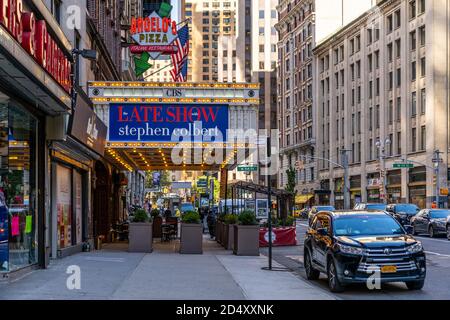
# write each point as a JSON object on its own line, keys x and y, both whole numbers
{"x": 191, "y": 217}
{"x": 222, "y": 217}
{"x": 141, "y": 216}
{"x": 231, "y": 219}
{"x": 154, "y": 213}
{"x": 289, "y": 222}
{"x": 247, "y": 218}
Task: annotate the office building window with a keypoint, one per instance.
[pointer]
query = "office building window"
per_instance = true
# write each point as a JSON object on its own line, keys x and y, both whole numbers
{"x": 423, "y": 138}
{"x": 423, "y": 100}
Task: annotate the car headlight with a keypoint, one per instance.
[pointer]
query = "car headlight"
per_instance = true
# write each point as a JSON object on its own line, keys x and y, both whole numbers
{"x": 417, "y": 247}
{"x": 351, "y": 250}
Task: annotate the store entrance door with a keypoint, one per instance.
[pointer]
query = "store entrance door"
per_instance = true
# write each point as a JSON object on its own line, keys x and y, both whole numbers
{"x": 101, "y": 201}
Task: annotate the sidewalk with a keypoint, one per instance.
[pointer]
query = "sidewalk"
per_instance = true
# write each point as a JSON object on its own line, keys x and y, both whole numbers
{"x": 117, "y": 274}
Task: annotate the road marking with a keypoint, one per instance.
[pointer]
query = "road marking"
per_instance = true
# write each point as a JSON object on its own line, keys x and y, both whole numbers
{"x": 442, "y": 240}
{"x": 106, "y": 259}
{"x": 437, "y": 254}
{"x": 302, "y": 224}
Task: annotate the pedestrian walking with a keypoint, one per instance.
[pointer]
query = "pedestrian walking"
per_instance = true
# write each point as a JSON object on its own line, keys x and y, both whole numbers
{"x": 211, "y": 220}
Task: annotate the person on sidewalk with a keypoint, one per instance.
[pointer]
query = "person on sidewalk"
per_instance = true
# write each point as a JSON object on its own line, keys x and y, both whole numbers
{"x": 211, "y": 220}
{"x": 202, "y": 218}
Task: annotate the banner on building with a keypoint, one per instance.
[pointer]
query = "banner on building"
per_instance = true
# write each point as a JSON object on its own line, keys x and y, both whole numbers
{"x": 167, "y": 122}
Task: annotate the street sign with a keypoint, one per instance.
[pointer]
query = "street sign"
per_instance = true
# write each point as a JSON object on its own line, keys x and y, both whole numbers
{"x": 202, "y": 183}
{"x": 251, "y": 168}
{"x": 444, "y": 191}
{"x": 403, "y": 165}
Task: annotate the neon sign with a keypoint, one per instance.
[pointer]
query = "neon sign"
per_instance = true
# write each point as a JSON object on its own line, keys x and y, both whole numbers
{"x": 33, "y": 36}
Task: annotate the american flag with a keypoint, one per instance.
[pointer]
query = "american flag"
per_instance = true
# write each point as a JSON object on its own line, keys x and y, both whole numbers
{"x": 180, "y": 58}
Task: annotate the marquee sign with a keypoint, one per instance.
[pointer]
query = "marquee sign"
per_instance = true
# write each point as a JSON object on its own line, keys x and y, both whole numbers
{"x": 33, "y": 36}
{"x": 167, "y": 122}
{"x": 152, "y": 34}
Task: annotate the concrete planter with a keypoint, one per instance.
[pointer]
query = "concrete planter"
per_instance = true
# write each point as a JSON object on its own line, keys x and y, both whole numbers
{"x": 140, "y": 237}
{"x": 246, "y": 240}
{"x": 219, "y": 226}
{"x": 191, "y": 238}
{"x": 229, "y": 244}
{"x": 224, "y": 236}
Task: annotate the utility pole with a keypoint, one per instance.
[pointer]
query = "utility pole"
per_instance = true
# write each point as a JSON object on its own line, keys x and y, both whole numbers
{"x": 381, "y": 145}
{"x": 346, "y": 179}
{"x": 269, "y": 202}
{"x": 437, "y": 163}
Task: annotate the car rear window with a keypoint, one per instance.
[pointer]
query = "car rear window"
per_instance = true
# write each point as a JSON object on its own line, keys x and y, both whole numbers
{"x": 366, "y": 225}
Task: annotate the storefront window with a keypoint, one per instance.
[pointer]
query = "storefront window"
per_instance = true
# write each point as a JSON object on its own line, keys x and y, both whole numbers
{"x": 69, "y": 206}
{"x": 64, "y": 206}
{"x": 18, "y": 235}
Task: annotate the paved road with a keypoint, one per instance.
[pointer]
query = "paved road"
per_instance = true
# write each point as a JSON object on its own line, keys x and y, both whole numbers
{"x": 437, "y": 285}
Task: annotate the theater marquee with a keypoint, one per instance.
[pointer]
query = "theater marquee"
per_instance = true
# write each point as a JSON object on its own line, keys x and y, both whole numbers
{"x": 167, "y": 122}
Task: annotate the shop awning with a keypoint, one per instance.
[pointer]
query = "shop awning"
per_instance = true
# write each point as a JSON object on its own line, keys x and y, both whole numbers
{"x": 303, "y": 198}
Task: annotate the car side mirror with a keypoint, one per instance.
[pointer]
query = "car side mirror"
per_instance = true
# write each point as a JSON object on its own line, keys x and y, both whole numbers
{"x": 409, "y": 229}
{"x": 322, "y": 231}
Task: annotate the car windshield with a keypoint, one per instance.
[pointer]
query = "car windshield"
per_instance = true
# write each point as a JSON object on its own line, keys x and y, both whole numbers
{"x": 187, "y": 207}
{"x": 407, "y": 208}
{"x": 439, "y": 214}
{"x": 376, "y": 207}
{"x": 366, "y": 225}
{"x": 325, "y": 208}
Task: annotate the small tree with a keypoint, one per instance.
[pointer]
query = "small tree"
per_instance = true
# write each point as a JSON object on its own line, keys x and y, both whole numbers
{"x": 291, "y": 181}
{"x": 290, "y": 187}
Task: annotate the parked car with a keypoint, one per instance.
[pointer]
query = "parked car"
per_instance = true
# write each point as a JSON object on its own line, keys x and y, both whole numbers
{"x": 350, "y": 246}
{"x": 403, "y": 212}
{"x": 431, "y": 221}
{"x": 447, "y": 227}
{"x": 314, "y": 210}
{"x": 370, "y": 206}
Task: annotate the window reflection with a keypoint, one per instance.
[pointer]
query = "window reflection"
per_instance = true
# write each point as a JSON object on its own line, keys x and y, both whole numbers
{"x": 18, "y": 237}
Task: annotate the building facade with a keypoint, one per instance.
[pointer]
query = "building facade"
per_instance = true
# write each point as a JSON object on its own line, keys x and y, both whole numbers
{"x": 302, "y": 24}
{"x": 382, "y": 95}
{"x": 235, "y": 41}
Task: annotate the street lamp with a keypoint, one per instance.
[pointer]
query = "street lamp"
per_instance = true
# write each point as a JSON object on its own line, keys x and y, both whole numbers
{"x": 381, "y": 145}
{"x": 76, "y": 53}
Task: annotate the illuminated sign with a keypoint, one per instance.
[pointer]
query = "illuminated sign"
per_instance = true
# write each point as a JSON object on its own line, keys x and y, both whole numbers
{"x": 167, "y": 122}
{"x": 33, "y": 36}
{"x": 152, "y": 34}
{"x": 136, "y": 49}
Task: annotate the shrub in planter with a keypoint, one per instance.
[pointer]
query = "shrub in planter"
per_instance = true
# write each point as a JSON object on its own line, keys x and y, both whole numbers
{"x": 191, "y": 217}
{"x": 289, "y": 222}
{"x": 191, "y": 233}
{"x": 140, "y": 232}
{"x": 247, "y": 218}
{"x": 246, "y": 235}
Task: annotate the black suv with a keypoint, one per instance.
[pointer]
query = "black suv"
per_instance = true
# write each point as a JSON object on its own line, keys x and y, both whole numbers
{"x": 403, "y": 212}
{"x": 350, "y": 247}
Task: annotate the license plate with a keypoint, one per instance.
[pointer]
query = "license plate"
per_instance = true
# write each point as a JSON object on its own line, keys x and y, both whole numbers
{"x": 388, "y": 269}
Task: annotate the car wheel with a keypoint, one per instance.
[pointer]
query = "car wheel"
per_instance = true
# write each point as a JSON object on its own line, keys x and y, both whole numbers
{"x": 448, "y": 232}
{"x": 415, "y": 285}
{"x": 333, "y": 281}
{"x": 431, "y": 232}
{"x": 311, "y": 273}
